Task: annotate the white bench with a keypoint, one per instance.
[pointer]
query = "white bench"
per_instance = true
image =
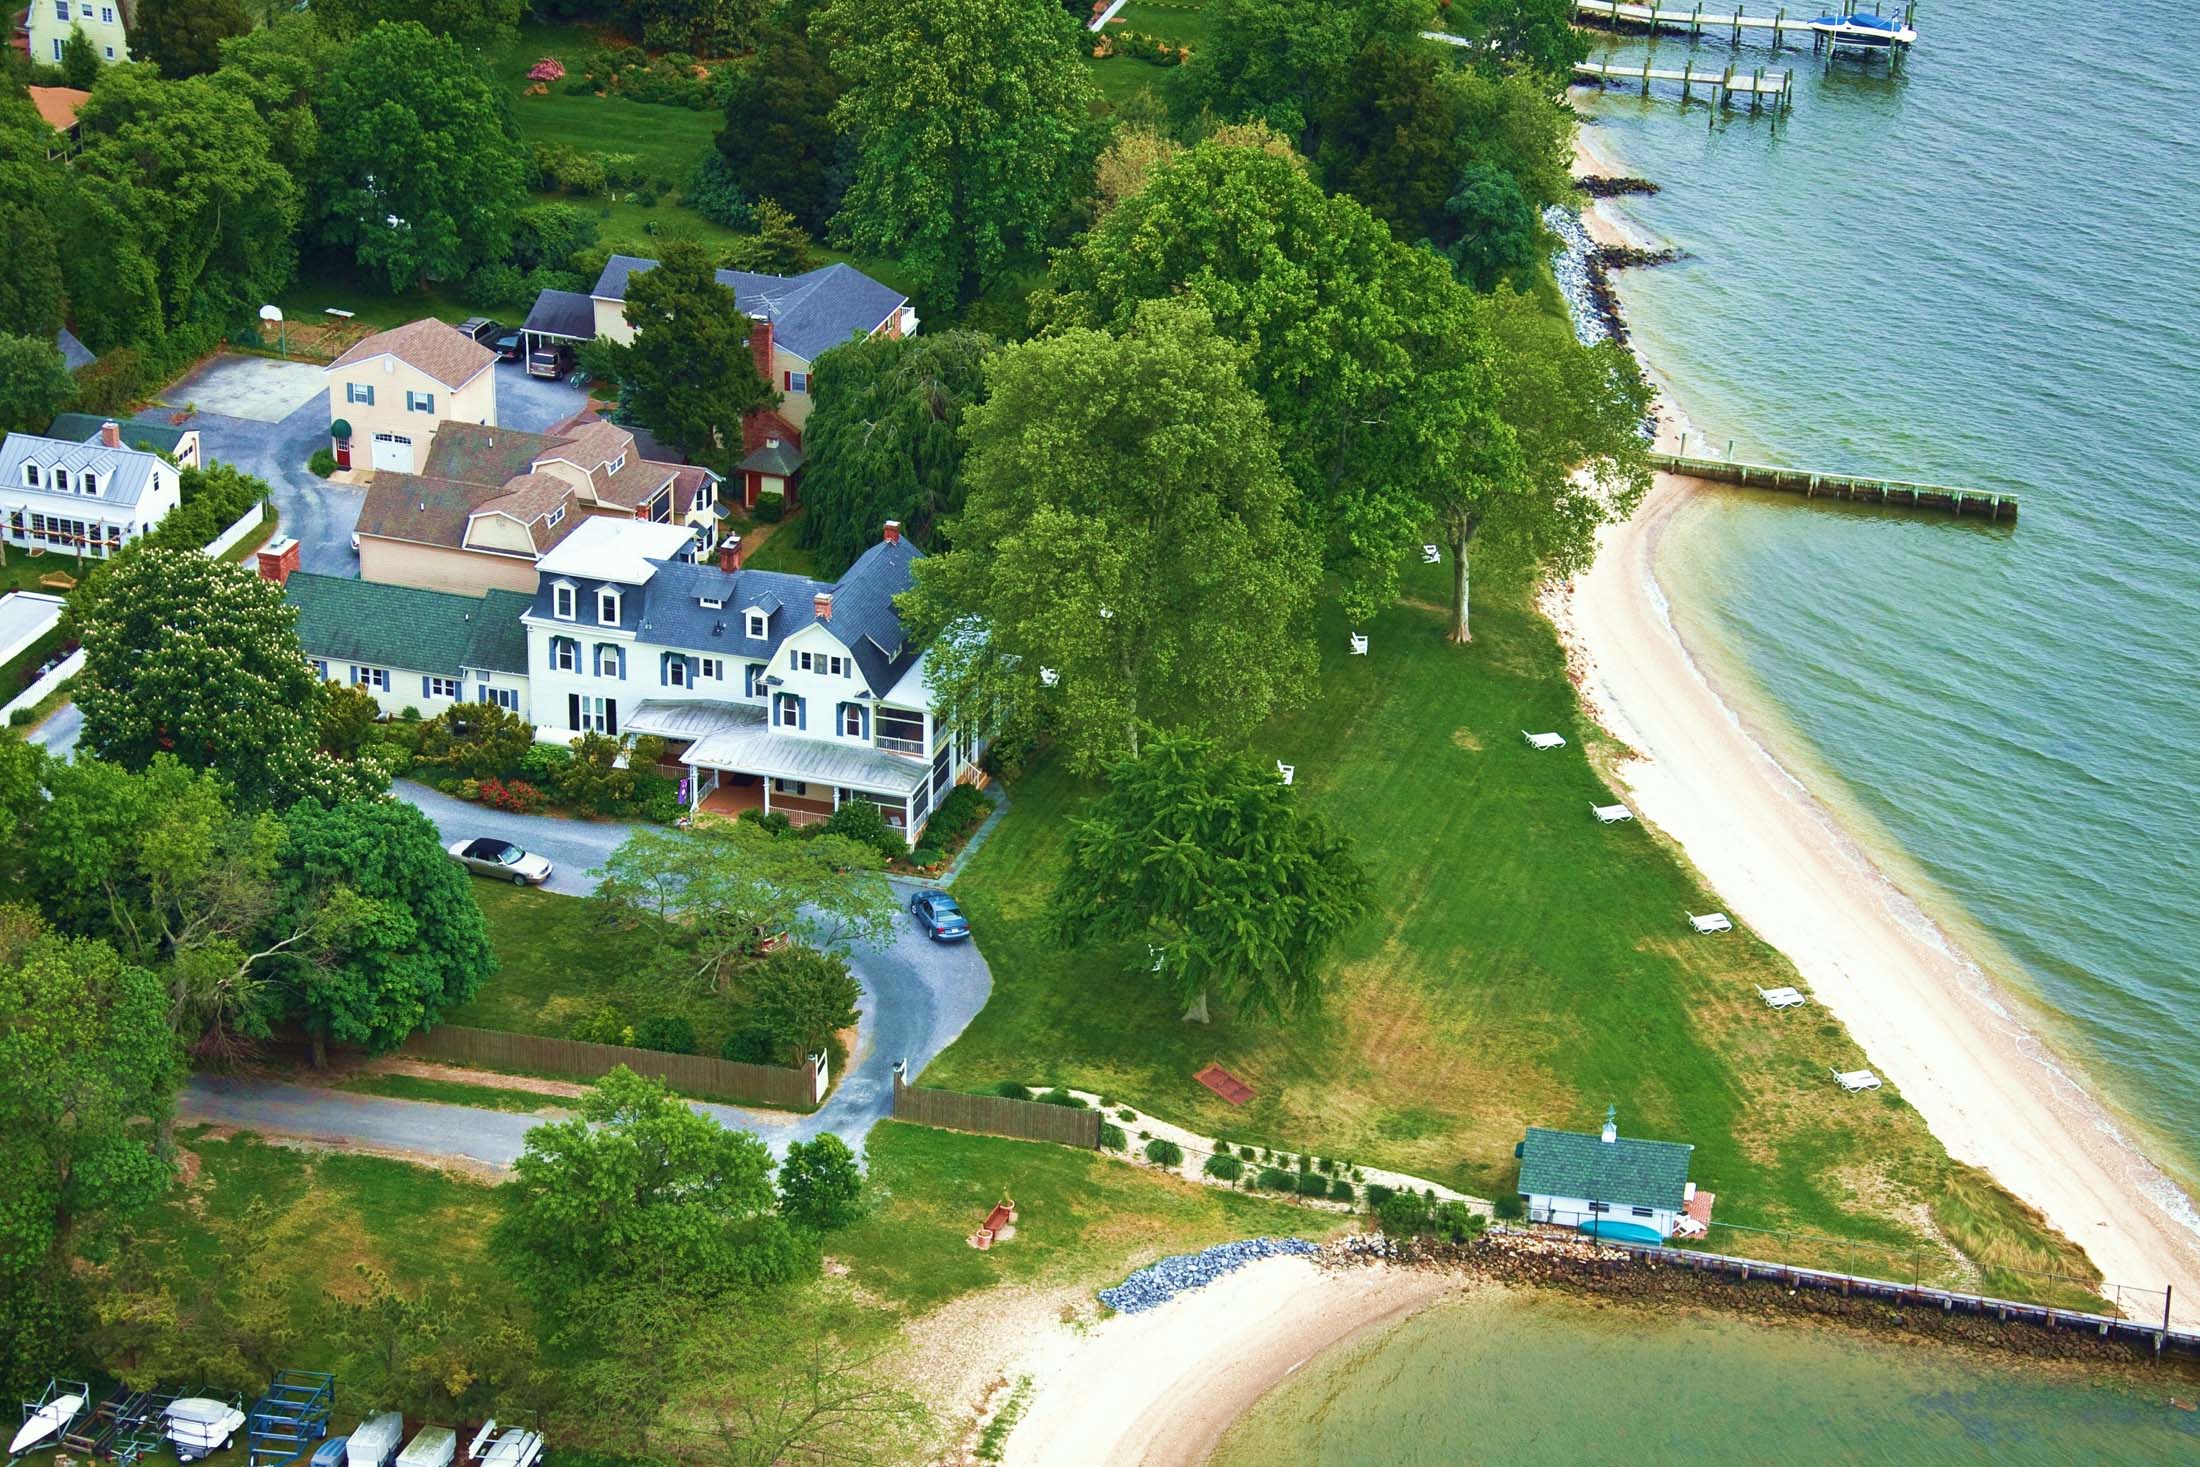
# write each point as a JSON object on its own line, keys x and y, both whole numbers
{"x": 1359, "y": 645}
{"x": 1710, "y": 922}
{"x": 1430, "y": 555}
{"x": 1855, "y": 1080}
{"x": 1288, "y": 771}
{"x": 1782, "y": 998}
{"x": 1543, "y": 740}
{"x": 1612, "y": 814}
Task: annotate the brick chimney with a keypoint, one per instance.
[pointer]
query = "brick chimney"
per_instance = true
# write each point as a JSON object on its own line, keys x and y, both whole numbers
{"x": 893, "y": 532}
{"x": 110, "y": 434}
{"x": 760, "y": 347}
{"x": 729, "y": 553}
{"x": 824, "y": 602}
{"x": 278, "y": 558}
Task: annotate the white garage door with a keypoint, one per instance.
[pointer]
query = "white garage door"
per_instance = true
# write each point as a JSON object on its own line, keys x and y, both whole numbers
{"x": 393, "y": 451}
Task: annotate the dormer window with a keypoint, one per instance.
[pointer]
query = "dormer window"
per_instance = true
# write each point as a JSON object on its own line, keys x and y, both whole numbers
{"x": 30, "y": 476}
{"x": 561, "y": 601}
{"x": 90, "y": 482}
{"x": 759, "y": 626}
{"x": 607, "y": 607}
{"x": 615, "y": 465}
{"x": 61, "y": 480}
{"x": 555, "y": 519}
{"x": 712, "y": 603}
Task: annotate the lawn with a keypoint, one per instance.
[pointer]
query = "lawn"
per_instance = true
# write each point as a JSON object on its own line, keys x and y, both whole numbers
{"x": 1524, "y": 965}
{"x": 1081, "y": 1218}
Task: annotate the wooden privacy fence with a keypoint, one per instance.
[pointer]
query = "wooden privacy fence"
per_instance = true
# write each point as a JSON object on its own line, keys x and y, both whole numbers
{"x": 690, "y": 1074}
{"x": 995, "y": 1115}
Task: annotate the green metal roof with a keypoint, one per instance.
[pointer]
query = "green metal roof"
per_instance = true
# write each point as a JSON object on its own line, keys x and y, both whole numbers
{"x": 500, "y": 642}
{"x": 83, "y": 427}
{"x": 401, "y": 627}
{"x": 1624, "y": 1171}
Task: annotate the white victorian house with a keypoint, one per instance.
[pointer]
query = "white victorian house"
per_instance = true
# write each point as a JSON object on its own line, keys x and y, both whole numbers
{"x": 89, "y": 498}
{"x": 773, "y": 692}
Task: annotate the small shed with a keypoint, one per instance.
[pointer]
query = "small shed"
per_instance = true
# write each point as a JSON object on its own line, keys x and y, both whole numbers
{"x": 1606, "y": 1185}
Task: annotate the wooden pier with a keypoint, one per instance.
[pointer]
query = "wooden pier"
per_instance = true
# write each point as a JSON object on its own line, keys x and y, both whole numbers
{"x": 1722, "y": 86}
{"x": 1895, "y": 493}
{"x": 1698, "y": 21}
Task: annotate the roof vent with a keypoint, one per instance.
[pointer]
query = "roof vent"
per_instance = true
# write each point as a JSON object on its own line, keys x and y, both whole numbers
{"x": 1611, "y": 1123}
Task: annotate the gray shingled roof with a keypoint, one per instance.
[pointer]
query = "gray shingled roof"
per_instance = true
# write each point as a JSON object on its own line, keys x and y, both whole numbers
{"x": 75, "y": 355}
{"x": 810, "y": 313}
{"x": 124, "y": 473}
{"x": 565, "y": 313}
{"x": 1624, "y": 1172}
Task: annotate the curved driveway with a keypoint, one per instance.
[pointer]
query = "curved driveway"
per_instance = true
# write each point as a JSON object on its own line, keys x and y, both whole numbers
{"x": 917, "y": 996}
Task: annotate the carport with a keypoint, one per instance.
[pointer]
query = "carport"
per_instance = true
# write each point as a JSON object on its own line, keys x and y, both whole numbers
{"x": 559, "y": 319}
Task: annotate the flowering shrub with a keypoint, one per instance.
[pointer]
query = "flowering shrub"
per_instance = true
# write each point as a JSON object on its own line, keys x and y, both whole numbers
{"x": 549, "y": 69}
{"x": 517, "y": 796}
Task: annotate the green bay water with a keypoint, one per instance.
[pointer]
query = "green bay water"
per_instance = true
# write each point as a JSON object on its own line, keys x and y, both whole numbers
{"x": 1506, "y": 1377}
{"x": 1982, "y": 270}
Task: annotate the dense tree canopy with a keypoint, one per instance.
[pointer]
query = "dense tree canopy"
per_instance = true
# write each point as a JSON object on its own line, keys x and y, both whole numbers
{"x": 688, "y": 373}
{"x": 971, "y": 126}
{"x": 1538, "y": 34}
{"x": 1286, "y": 62}
{"x": 638, "y": 1189}
{"x": 779, "y": 141}
{"x": 88, "y": 1075}
{"x": 421, "y": 169}
{"x": 802, "y": 997}
{"x": 819, "y": 1185}
{"x": 884, "y": 441}
{"x": 184, "y": 37}
{"x": 1206, "y": 855}
{"x": 31, "y": 194}
{"x": 1360, "y": 347}
{"x": 483, "y": 27}
{"x": 190, "y": 656}
{"x": 279, "y": 68}
{"x": 33, "y": 383}
{"x": 1496, "y": 235}
{"x": 1128, "y": 530}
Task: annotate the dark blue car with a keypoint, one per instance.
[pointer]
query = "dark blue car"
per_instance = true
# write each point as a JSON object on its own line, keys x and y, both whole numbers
{"x": 938, "y": 915}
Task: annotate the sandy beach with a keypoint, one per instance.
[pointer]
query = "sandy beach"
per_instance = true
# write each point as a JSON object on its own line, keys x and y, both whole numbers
{"x": 1165, "y": 1385}
{"x": 1924, "y": 1015}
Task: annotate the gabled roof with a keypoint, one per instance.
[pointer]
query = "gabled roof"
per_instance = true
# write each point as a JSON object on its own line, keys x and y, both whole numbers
{"x": 124, "y": 473}
{"x": 443, "y": 352}
{"x": 84, "y": 428}
{"x": 479, "y": 453}
{"x": 381, "y": 625}
{"x": 58, "y": 105}
{"x": 1625, "y": 1172}
{"x": 810, "y": 313}
{"x": 75, "y": 355}
{"x": 772, "y": 457}
{"x": 499, "y": 642}
{"x": 864, "y": 617}
{"x": 565, "y": 313}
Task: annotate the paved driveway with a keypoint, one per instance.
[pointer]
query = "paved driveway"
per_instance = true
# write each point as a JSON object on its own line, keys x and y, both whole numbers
{"x": 573, "y": 846}
{"x": 260, "y": 389}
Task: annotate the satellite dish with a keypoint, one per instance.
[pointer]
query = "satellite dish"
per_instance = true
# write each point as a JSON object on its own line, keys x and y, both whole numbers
{"x": 271, "y": 313}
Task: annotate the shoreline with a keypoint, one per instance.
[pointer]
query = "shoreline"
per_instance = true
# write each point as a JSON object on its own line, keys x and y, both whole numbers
{"x": 1925, "y": 1015}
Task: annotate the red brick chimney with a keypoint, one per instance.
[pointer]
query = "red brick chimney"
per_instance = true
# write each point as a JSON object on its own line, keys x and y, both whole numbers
{"x": 110, "y": 434}
{"x": 893, "y": 532}
{"x": 760, "y": 347}
{"x": 729, "y": 553}
{"x": 824, "y": 603}
{"x": 278, "y": 558}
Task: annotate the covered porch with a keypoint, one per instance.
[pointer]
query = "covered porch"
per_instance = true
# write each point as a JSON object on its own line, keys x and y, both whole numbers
{"x": 758, "y": 768}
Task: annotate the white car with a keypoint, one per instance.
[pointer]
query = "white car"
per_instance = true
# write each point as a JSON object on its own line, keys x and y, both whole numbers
{"x": 488, "y": 856}
{"x": 198, "y": 1426}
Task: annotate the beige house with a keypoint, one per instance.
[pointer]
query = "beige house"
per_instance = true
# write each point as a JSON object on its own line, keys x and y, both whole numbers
{"x": 395, "y": 389}
{"x": 492, "y": 501}
{"x": 106, "y": 25}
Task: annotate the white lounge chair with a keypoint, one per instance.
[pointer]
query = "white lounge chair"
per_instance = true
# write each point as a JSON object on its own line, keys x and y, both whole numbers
{"x": 1430, "y": 555}
{"x": 1710, "y": 922}
{"x": 1160, "y": 956}
{"x": 1855, "y": 1080}
{"x": 1783, "y": 998}
{"x": 1049, "y": 677}
{"x": 1612, "y": 814}
{"x": 1359, "y": 645}
{"x": 1288, "y": 771}
{"x": 1543, "y": 740}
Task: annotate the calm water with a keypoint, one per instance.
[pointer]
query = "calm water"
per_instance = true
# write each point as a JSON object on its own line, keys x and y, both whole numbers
{"x": 1516, "y": 1378}
{"x": 1981, "y": 271}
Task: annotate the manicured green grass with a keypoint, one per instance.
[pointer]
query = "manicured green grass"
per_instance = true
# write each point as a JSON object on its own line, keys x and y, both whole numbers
{"x": 666, "y": 139}
{"x": 453, "y": 1092}
{"x": 1524, "y": 965}
{"x": 319, "y": 287}
{"x": 1081, "y": 1218}
{"x": 782, "y": 551}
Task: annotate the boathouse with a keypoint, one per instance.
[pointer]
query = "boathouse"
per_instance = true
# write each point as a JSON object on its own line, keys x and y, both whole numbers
{"x": 1607, "y": 1185}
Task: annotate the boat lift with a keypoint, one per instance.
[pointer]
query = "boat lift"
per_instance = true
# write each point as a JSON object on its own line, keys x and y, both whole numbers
{"x": 289, "y": 1417}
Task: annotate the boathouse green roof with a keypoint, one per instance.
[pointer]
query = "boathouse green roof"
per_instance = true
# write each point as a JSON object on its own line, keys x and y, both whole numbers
{"x": 1622, "y": 1171}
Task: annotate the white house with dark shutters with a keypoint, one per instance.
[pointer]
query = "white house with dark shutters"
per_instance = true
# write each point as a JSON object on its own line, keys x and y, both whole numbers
{"x": 773, "y": 692}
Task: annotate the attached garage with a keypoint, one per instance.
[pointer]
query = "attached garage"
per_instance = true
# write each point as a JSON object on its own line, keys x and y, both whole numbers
{"x": 393, "y": 451}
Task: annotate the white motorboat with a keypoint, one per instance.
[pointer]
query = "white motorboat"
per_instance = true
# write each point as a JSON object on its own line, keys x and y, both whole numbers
{"x": 515, "y": 1448}
{"x": 199, "y": 1426}
{"x": 1858, "y": 31}
{"x": 47, "y": 1420}
{"x": 374, "y": 1442}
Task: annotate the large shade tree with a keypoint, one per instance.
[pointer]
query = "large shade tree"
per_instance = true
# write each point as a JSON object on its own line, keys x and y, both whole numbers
{"x": 688, "y": 373}
{"x": 33, "y": 383}
{"x": 1127, "y": 552}
{"x": 1206, "y": 856}
{"x": 1286, "y": 62}
{"x": 184, "y": 37}
{"x": 1361, "y": 348}
{"x": 421, "y": 170}
{"x": 971, "y": 121}
{"x": 884, "y": 440}
{"x": 779, "y": 141}
{"x": 1572, "y": 456}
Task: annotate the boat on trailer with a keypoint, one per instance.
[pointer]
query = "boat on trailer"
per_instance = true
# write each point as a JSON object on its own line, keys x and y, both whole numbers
{"x": 50, "y": 1415}
{"x": 1856, "y": 31}
{"x": 513, "y": 1447}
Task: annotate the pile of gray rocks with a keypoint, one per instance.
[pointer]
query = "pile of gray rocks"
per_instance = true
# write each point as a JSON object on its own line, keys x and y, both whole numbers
{"x": 1158, "y": 1283}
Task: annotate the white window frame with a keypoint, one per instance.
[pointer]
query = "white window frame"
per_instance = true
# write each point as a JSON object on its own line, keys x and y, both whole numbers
{"x": 801, "y": 662}
{"x": 555, "y": 518}
{"x": 505, "y": 698}
{"x": 595, "y": 714}
{"x": 712, "y": 603}
{"x": 787, "y": 711}
{"x": 60, "y": 478}
{"x": 564, "y": 601}
{"x": 605, "y": 596}
{"x": 377, "y": 678}
{"x": 419, "y": 402}
{"x": 798, "y": 382}
{"x": 800, "y": 789}
{"x": 615, "y": 465}
{"x": 713, "y": 668}
{"x": 60, "y": 11}
{"x": 565, "y": 654}
{"x": 676, "y": 672}
{"x": 445, "y": 687}
{"x": 757, "y": 625}
{"x": 57, "y": 39}
{"x": 618, "y": 660}
{"x": 31, "y": 476}
{"x": 89, "y": 483}
{"x": 851, "y": 721}
{"x": 361, "y": 393}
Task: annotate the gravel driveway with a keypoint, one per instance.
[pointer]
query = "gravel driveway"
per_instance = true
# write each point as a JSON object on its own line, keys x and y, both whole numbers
{"x": 918, "y": 995}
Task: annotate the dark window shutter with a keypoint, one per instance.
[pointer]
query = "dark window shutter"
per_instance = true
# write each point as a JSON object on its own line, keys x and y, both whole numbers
{"x": 611, "y": 716}
{"x": 573, "y": 711}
